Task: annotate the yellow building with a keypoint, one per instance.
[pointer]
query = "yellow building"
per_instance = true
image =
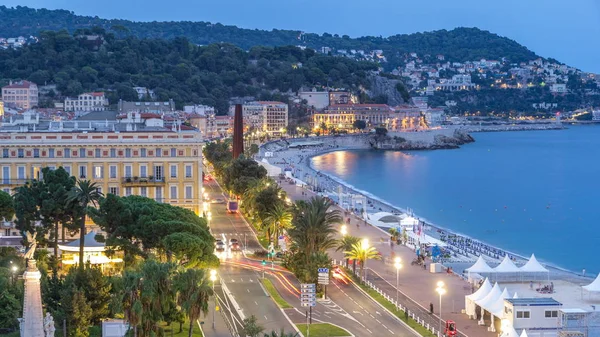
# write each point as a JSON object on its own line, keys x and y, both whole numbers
{"x": 137, "y": 154}
{"x": 343, "y": 116}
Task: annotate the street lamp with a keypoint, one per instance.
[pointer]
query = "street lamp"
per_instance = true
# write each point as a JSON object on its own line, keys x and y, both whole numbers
{"x": 205, "y": 195}
{"x": 14, "y": 270}
{"x": 398, "y": 265}
{"x": 213, "y": 278}
{"x": 344, "y": 230}
{"x": 440, "y": 290}
{"x": 365, "y": 247}
{"x": 208, "y": 217}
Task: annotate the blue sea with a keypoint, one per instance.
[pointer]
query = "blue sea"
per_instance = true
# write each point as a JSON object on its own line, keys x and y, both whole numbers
{"x": 525, "y": 191}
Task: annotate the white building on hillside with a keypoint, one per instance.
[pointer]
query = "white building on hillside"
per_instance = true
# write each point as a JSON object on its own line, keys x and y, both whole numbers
{"x": 86, "y": 102}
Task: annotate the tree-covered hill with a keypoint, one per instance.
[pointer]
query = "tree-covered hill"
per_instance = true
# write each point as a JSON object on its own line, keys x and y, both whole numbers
{"x": 175, "y": 68}
{"x": 460, "y": 44}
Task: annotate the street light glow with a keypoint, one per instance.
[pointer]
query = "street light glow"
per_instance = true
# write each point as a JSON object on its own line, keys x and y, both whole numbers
{"x": 14, "y": 269}
{"x": 344, "y": 231}
{"x": 365, "y": 242}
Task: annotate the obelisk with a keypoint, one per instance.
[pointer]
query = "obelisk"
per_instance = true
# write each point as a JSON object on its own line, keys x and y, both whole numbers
{"x": 238, "y": 132}
{"x": 32, "y": 324}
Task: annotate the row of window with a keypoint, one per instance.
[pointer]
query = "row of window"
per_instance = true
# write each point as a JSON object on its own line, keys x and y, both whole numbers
{"x": 98, "y": 172}
{"x": 547, "y": 314}
{"x": 158, "y": 192}
{"x": 97, "y": 153}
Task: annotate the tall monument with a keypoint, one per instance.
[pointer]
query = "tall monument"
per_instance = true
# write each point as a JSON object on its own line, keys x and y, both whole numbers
{"x": 32, "y": 323}
{"x": 238, "y": 132}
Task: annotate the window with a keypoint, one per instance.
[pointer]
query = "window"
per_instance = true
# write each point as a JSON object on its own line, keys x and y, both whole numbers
{"x": 144, "y": 191}
{"x": 4, "y": 153}
{"x": 82, "y": 172}
{"x": 51, "y": 153}
{"x": 158, "y": 152}
{"x": 82, "y": 152}
{"x": 99, "y": 189}
{"x": 523, "y": 314}
{"x": 551, "y": 313}
{"x": 36, "y": 153}
{"x": 158, "y": 196}
{"x": 143, "y": 171}
{"x": 128, "y": 171}
{"x": 173, "y": 152}
{"x": 128, "y": 153}
{"x": 158, "y": 173}
{"x": 98, "y": 172}
{"x": 21, "y": 172}
{"x": 68, "y": 169}
{"x": 67, "y": 152}
{"x": 113, "y": 190}
{"x": 6, "y": 175}
{"x": 20, "y": 153}
{"x": 173, "y": 171}
{"x": 127, "y": 191}
{"x": 142, "y": 152}
{"x": 188, "y": 171}
{"x": 112, "y": 171}
{"x": 173, "y": 192}
{"x": 188, "y": 192}
{"x": 98, "y": 153}
{"x": 113, "y": 153}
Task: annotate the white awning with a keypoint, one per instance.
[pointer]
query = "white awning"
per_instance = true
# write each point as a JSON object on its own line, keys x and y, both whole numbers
{"x": 490, "y": 298}
{"x": 482, "y": 292}
{"x": 497, "y": 309}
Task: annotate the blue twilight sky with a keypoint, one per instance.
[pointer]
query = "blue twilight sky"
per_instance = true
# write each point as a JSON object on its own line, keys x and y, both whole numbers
{"x": 566, "y": 30}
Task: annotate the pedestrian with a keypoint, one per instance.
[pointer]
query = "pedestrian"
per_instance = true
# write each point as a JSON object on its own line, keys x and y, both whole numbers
{"x": 424, "y": 266}
{"x": 583, "y": 273}
{"x": 531, "y": 285}
{"x": 430, "y": 308}
{"x": 406, "y": 314}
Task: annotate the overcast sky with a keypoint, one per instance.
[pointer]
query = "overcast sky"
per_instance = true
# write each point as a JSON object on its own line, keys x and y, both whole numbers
{"x": 566, "y": 30}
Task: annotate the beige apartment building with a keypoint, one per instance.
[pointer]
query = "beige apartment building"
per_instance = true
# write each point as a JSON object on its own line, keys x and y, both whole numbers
{"x": 270, "y": 117}
{"x": 21, "y": 95}
{"x": 128, "y": 156}
{"x": 86, "y": 102}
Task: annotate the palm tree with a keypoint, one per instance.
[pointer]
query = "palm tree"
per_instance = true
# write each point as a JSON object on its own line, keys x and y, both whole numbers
{"x": 362, "y": 252}
{"x": 132, "y": 305}
{"x": 281, "y": 333}
{"x": 394, "y": 232}
{"x": 345, "y": 244}
{"x": 313, "y": 226}
{"x": 193, "y": 291}
{"x": 84, "y": 193}
{"x": 278, "y": 219}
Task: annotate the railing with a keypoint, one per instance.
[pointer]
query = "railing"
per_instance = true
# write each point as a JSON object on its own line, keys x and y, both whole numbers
{"x": 131, "y": 181}
{"x": 14, "y": 181}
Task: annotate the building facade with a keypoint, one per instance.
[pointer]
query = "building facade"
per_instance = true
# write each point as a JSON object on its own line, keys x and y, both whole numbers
{"x": 342, "y": 116}
{"x": 152, "y": 107}
{"x": 21, "y": 95}
{"x": 267, "y": 116}
{"x": 86, "y": 102}
{"x": 146, "y": 158}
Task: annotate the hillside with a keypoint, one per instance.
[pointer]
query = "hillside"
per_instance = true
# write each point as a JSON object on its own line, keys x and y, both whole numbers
{"x": 460, "y": 44}
{"x": 176, "y": 69}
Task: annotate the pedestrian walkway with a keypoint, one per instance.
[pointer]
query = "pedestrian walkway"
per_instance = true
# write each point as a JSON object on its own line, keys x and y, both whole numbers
{"x": 417, "y": 285}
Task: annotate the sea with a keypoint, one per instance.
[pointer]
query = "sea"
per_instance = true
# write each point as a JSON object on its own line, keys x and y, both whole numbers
{"x": 522, "y": 191}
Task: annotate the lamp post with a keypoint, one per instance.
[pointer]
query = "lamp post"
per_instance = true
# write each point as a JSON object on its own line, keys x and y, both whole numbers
{"x": 14, "y": 273}
{"x": 208, "y": 217}
{"x": 365, "y": 246}
{"x": 441, "y": 290}
{"x": 213, "y": 278}
{"x": 398, "y": 265}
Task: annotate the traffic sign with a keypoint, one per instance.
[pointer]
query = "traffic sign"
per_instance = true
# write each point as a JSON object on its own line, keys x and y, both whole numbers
{"x": 323, "y": 270}
{"x": 308, "y": 296}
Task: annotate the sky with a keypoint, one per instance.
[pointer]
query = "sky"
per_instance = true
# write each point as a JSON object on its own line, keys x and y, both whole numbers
{"x": 568, "y": 31}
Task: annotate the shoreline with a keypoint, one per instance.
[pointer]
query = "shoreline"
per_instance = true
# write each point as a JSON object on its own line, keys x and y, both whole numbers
{"x": 386, "y": 206}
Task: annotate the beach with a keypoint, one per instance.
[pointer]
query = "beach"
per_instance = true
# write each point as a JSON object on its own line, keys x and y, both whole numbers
{"x": 464, "y": 249}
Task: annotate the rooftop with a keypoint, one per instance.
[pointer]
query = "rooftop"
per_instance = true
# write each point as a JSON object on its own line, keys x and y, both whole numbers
{"x": 533, "y": 301}
{"x": 19, "y": 85}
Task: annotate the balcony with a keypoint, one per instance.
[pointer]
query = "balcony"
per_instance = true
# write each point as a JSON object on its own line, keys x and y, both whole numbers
{"x": 142, "y": 181}
{"x": 14, "y": 182}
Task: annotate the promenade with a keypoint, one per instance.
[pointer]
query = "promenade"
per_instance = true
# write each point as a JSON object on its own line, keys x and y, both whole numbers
{"x": 416, "y": 285}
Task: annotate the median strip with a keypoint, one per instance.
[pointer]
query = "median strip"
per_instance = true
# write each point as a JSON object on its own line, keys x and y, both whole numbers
{"x": 323, "y": 330}
{"x": 275, "y": 294}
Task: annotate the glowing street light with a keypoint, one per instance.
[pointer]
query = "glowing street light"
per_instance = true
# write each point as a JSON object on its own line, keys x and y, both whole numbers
{"x": 205, "y": 196}
{"x": 365, "y": 247}
{"x": 398, "y": 265}
{"x": 344, "y": 230}
{"x": 440, "y": 290}
{"x": 213, "y": 278}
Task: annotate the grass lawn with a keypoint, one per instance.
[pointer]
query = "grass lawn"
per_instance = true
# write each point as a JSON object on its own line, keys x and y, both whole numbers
{"x": 186, "y": 327}
{"x": 391, "y": 307}
{"x": 275, "y": 294}
{"x": 323, "y": 330}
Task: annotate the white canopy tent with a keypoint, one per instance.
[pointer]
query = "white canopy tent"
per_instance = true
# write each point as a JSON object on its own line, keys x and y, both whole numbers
{"x": 480, "y": 267}
{"x": 507, "y": 270}
{"x": 470, "y": 306}
{"x": 593, "y": 287}
{"x": 272, "y": 170}
{"x": 509, "y": 331}
{"x": 524, "y": 333}
{"x": 533, "y": 269}
{"x": 488, "y": 300}
{"x": 497, "y": 308}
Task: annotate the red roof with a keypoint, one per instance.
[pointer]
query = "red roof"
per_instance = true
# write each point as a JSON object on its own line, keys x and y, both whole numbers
{"x": 269, "y": 102}
{"x": 223, "y": 117}
{"x": 97, "y": 94}
{"x": 149, "y": 115}
{"x": 19, "y": 85}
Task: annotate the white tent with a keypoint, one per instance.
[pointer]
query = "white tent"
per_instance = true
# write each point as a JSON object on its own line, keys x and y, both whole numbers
{"x": 486, "y": 302}
{"x": 507, "y": 269}
{"x": 516, "y": 295}
{"x": 496, "y": 309}
{"x": 594, "y": 286}
{"x": 272, "y": 170}
{"x": 480, "y": 267}
{"x": 524, "y": 333}
{"x": 470, "y": 307}
{"x": 509, "y": 331}
{"x": 533, "y": 268}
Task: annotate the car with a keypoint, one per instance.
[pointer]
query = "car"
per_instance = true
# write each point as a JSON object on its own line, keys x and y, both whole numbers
{"x": 339, "y": 275}
{"x": 219, "y": 246}
{"x": 234, "y": 244}
{"x": 217, "y": 201}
